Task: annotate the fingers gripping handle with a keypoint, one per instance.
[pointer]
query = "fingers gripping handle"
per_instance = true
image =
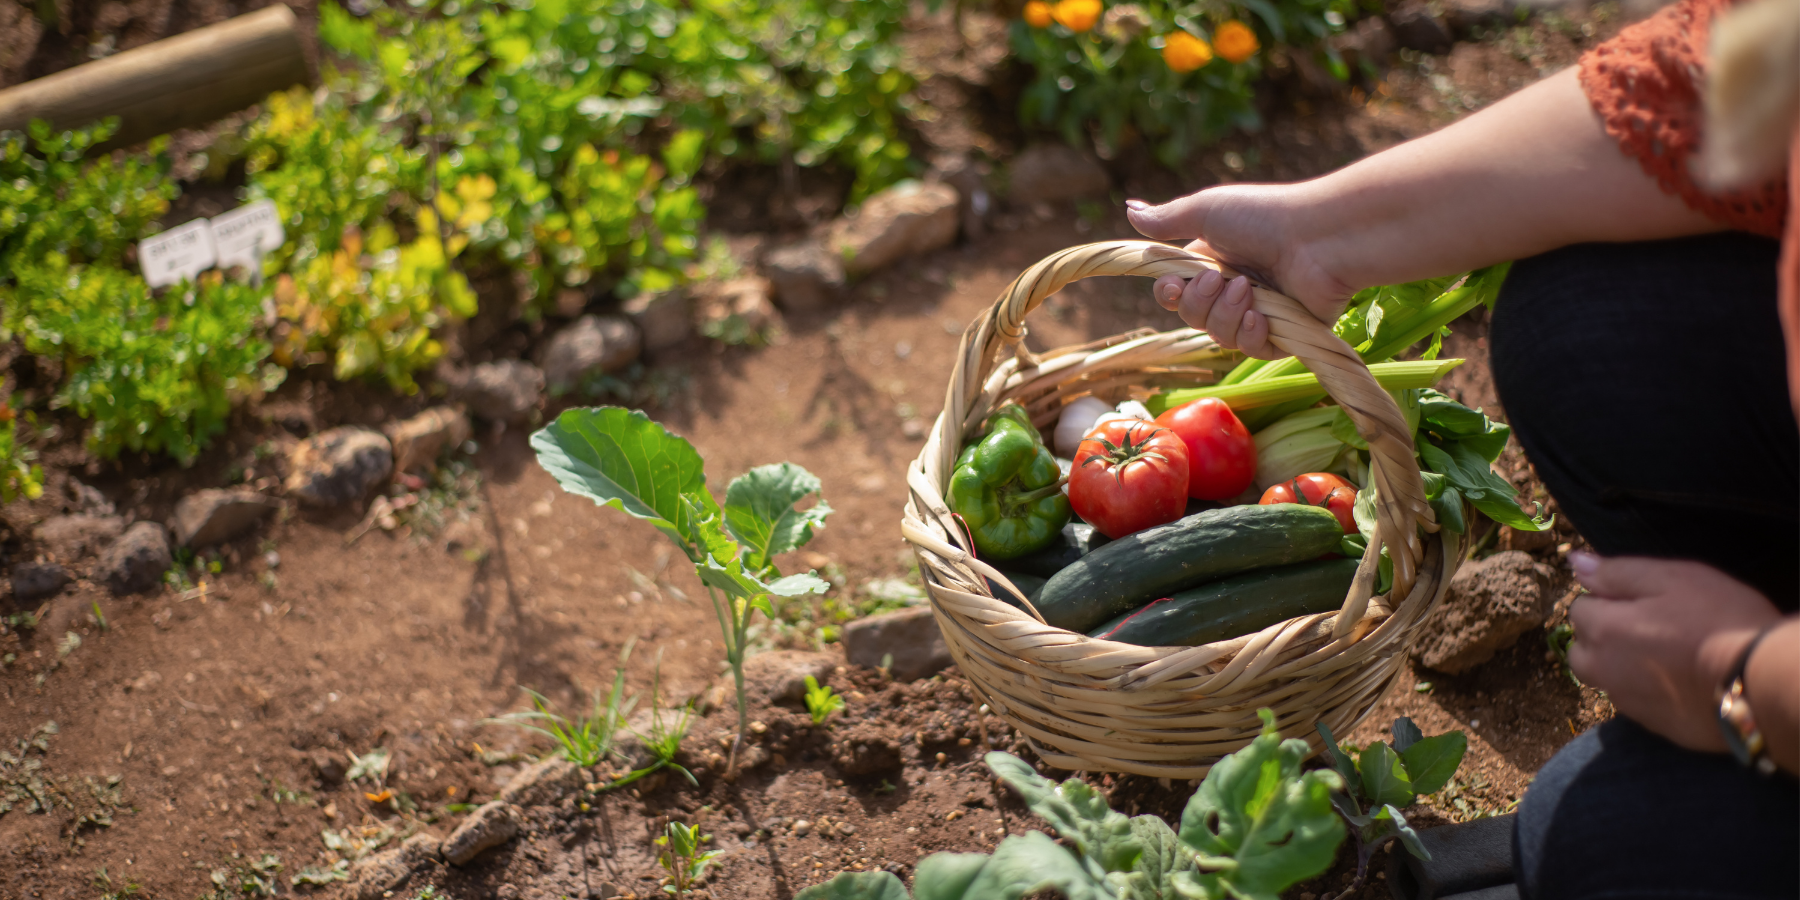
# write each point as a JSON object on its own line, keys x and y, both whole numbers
{"x": 1400, "y": 491}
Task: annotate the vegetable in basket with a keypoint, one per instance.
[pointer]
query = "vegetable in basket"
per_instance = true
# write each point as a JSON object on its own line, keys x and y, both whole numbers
{"x": 1007, "y": 488}
{"x": 1321, "y": 489}
{"x": 1243, "y": 604}
{"x": 1129, "y": 475}
{"x": 1222, "y": 458}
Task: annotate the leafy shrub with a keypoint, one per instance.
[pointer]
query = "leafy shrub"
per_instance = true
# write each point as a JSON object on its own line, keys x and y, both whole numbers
{"x": 1175, "y": 74}
{"x": 19, "y": 477}
{"x": 51, "y": 200}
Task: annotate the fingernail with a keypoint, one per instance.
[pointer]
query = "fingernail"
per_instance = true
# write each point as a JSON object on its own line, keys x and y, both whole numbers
{"x": 1136, "y": 205}
{"x": 1584, "y": 563}
{"x": 1170, "y": 292}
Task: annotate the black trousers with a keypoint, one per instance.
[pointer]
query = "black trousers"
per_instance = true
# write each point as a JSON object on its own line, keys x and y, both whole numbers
{"x": 1647, "y": 382}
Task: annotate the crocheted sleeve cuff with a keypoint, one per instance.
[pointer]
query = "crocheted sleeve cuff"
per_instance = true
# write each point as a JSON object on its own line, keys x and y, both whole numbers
{"x": 1645, "y": 84}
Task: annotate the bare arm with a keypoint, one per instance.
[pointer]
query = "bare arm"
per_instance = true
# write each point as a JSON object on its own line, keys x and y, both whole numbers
{"x": 1531, "y": 173}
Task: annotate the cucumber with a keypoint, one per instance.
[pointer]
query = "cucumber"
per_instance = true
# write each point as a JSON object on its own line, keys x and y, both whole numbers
{"x": 1078, "y": 539}
{"x": 1233, "y": 606}
{"x": 1030, "y": 584}
{"x": 1207, "y": 546}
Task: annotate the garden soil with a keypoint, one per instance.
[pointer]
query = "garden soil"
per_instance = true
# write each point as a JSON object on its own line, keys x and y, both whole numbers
{"x": 207, "y": 730}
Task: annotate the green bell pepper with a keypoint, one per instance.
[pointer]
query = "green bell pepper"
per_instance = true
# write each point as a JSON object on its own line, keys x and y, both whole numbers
{"x": 1007, "y": 488}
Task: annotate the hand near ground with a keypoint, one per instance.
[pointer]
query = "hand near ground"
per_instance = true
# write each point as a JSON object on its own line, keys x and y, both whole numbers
{"x": 1658, "y": 636}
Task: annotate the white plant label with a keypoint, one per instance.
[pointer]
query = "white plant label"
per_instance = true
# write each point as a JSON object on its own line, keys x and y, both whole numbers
{"x": 180, "y": 253}
{"x": 244, "y": 235}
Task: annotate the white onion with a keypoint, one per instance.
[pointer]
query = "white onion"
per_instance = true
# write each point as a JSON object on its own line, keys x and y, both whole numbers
{"x": 1076, "y": 421}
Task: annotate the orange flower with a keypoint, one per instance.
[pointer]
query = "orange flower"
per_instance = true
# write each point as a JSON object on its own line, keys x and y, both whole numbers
{"x": 1235, "y": 41}
{"x": 1077, "y": 15}
{"x": 1184, "y": 52}
{"x": 1037, "y": 14}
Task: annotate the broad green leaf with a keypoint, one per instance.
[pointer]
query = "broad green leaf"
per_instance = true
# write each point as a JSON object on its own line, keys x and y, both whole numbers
{"x": 1346, "y": 807}
{"x": 1431, "y": 761}
{"x": 1449, "y": 419}
{"x": 1388, "y": 822}
{"x": 795, "y": 585}
{"x": 1152, "y": 875}
{"x": 1259, "y": 821}
{"x": 947, "y": 876}
{"x": 1340, "y": 761}
{"x": 1383, "y": 778}
{"x": 622, "y": 459}
{"x": 1075, "y": 810}
{"x": 1021, "y": 865}
{"x": 759, "y": 510}
{"x": 1448, "y": 505}
{"x": 1471, "y": 475}
{"x": 857, "y": 886}
{"x": 1406, "y": 734}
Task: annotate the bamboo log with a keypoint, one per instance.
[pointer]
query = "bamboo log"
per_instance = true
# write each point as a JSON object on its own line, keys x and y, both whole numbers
{"x": 179, "y": 82}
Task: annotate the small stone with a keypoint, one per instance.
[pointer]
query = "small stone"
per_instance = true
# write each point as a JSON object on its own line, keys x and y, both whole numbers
{"x": 36, "y": 580}
{"x": 492, "y": 824}
{"x": 144, "y": 682}
{"x": 338, "y": 466}
{"x": 137, "y": 560}
{"x": 505, "y": 391}
{"x": 864, "y": 749}
{"x": 1047, "y": 173}
{"x": 544, "y": 783}
{"x": 71, "y": 538}
{"x": 210, "y": 516}
{"x": 905, "y": 220}
{"x": 1416, "y": 27}
{"x": 1488, "y": 606}
{"x": 418, "y": 441}
{"x": 913, "y": 429}
{"x": 664, "y": 318}
{"x": 328, "y": 767}
{"x": 377, "y": 874}
{"x": 780, "y": 675}
{"x": 802, "y": 827}
{"x": 87, "y": 500}
{"x": 806, "y": 276}
{"x": 589, "y": 345}
{"x": 467, "y": 538}
{"x": 738, "y": 311}
{"x": 911, "y": 636}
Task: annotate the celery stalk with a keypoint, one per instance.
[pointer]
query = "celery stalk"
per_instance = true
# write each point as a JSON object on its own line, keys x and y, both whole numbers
{"x": 1270, "y": 391}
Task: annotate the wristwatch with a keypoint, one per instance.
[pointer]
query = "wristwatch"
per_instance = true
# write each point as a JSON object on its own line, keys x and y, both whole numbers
{"x": 1737, "y": 722}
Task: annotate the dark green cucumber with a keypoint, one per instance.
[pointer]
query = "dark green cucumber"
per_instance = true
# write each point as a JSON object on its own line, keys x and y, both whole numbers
{"x": 1030, "y": 584}
{"x": 1207, "y": 546}
{"x": 1233, "y": 606}
{"x": 1078, "y": 539}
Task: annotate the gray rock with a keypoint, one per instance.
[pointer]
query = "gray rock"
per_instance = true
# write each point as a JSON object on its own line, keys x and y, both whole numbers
{"x": 975, "y": 199}
{"x": 338, "y": 466}
{"x": 544, "y": 783}
{"x": 588, "y": 345}
{"x": 1369, "y": 41}
{"x": 418, "y": 441}
{"x": 34, "y": 581}
{"x": 664, "y": 318}
{"x": 780, "y": 675}
{"x": 806, "y": 276}
{"x": 1416, "y": 27}
{"x": 1489, "y": 605}
{"x": 373, "y": 876}
{"x": 137, "y": 560}
{"x": 87, "y": 500}
{"x": 1047, "y": 173}
{"x": 736, "y": 311}
{"x": 905, "y": 220}
{"x": 489, "y": 826}
{"x": 911, "y": 636}
{"x": 504, "y": 391}
{"x": 70, "y": 538}
{"x": 207, "y": 517}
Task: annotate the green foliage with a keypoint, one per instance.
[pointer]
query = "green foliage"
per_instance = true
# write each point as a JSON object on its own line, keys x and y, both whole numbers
{"x": 1113, "y": 82}
{"x": 1257, "y": 825}
{"x": 52, "y": 200}
{"x": 821, "y": 703}
{"x": 1386, "y": 778}
{"x": 678, "y": 852}
{"x": 622, "y": 459}
{"x": 19, "y": 476}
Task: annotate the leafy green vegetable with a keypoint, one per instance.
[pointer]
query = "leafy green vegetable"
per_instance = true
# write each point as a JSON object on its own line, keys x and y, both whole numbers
{"x": 1388, "y": 778}
{"x": 759, "y": 510}
{"x": 623, "y": 459}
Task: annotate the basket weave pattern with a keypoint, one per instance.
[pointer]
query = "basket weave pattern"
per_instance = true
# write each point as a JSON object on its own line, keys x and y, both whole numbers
{"x": 1090, "y": 704}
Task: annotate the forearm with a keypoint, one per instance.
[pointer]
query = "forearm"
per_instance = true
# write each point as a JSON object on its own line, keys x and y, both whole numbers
{"x": 1531, "y": 173}
{"x": 1772, "y": 685}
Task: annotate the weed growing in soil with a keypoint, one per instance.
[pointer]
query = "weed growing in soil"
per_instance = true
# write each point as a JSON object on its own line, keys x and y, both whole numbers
{"x": 1390, "y": 776}
{"x": 255, "y": 878}
{"x": 585, "y": 741}
{"x": 678, "y": 851}
{"x": 820, "y": 701}
{"x": 622, "y": 459}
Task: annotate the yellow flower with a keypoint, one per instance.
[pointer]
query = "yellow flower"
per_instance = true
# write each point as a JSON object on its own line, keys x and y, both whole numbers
{"x": 1235, "y": 41}
{"x": 1037, "y": 14}
{"x": 1078, "y": 16}
{"x": 1184, "y": 52}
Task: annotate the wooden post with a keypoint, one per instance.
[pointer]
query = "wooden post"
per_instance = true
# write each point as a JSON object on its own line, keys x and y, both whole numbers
{"x": 179, "y": 82}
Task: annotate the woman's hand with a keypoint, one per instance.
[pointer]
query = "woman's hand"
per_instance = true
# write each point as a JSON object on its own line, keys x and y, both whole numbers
{"x": 1658, "y": 636}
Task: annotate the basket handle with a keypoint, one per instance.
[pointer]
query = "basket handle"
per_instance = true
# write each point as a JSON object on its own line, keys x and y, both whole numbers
{"x": 1399, "y": 489}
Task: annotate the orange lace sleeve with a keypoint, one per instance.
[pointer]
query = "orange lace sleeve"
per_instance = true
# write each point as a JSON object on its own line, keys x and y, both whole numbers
{"x": 1646, "y": 85}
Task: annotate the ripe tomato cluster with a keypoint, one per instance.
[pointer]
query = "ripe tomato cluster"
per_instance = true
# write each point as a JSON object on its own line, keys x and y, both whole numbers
{"x": 1132, "y": 474}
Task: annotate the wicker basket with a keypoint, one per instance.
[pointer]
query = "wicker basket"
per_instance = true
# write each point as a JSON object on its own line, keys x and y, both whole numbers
{"x": 1090, "y": 704}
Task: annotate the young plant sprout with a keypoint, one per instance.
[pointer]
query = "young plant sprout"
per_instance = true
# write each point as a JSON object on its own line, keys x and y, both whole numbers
{"x": 678, "y": 851}
{"x": 820, "y": 701}
{"x": 1386, "y": 778}
{"x": 586, "y": 741}
{"x": 622, "y": 459}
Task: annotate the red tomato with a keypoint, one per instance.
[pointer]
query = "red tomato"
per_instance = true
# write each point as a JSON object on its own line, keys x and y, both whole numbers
{"x": 1221, "y": 454}
{"x": 1129, "y": 475}
{"x": 1317, "y": 489}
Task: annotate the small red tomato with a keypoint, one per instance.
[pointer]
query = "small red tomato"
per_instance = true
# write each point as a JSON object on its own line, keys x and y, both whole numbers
{"x": 1317, "y": 489}
{"x": 1129, "y": 475}
{"x": 1221, "y": 453}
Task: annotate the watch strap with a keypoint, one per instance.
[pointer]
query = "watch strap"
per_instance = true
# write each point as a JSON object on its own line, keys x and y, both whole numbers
{"x": 1737, "y": 722}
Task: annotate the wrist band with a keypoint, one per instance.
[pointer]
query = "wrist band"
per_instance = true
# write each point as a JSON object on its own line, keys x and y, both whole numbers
{"x": 1736, "y": 720}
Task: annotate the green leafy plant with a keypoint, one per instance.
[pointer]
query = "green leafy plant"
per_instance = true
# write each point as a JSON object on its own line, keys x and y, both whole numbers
{"x": 1557, "y": 640}
{"x": 255, "y": 878}
{"x": 20, "y": 476}
{"x": 588, "y": 740}
{"x": 622, "y": 459}
{"x": 678, "y": 852}
{"x": 668, "y": 728}
{"x": 1385, "y": 778}
{"x": 1257, "y": 825}
{"x": 820, "y": 701}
